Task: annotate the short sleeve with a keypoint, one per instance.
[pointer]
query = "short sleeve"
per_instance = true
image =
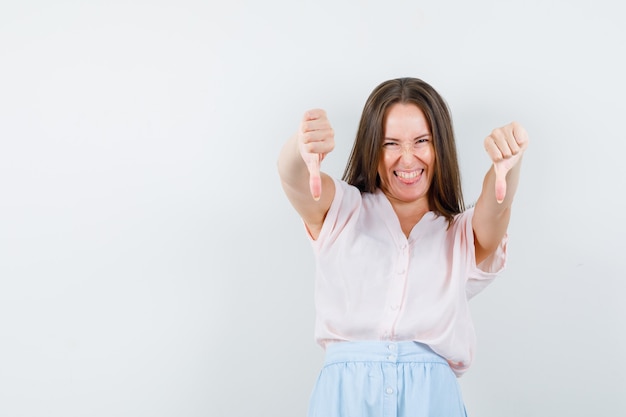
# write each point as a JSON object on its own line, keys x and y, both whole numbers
{"x": 343, "y": 211}
{"x": 479, "y": 276}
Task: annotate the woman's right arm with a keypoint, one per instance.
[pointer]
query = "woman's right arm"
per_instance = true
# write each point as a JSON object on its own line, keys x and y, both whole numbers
{"x": 309, "y": 191}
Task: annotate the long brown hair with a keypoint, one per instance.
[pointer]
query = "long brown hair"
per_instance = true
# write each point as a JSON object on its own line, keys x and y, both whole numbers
{"x": 445, "y": 196}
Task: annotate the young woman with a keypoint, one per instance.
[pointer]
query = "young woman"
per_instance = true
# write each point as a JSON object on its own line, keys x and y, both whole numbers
{"x": 398, "y": 256}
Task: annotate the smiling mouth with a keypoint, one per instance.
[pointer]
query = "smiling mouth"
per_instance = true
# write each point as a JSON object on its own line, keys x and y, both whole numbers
{"x": 408, "y": 176}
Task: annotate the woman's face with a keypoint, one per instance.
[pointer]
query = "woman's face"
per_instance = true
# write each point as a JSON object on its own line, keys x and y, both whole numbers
{"x": 407, "y": 162}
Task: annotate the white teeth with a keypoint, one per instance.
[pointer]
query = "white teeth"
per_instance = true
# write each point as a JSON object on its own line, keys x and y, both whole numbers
{"x": 407, "y": 175}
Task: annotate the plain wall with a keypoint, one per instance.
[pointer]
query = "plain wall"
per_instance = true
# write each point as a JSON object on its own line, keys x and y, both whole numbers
{"x": 150, "y": 264}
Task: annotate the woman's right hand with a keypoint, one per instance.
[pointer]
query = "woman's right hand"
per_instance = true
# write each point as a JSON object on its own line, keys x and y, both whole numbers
{"x": 316, "y": 139}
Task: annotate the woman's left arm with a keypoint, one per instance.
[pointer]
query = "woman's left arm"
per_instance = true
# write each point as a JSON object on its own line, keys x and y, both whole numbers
{"x": 505, "y": 146}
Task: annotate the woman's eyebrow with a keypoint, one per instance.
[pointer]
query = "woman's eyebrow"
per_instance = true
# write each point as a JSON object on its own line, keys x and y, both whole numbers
{"x": 425, "y": 135}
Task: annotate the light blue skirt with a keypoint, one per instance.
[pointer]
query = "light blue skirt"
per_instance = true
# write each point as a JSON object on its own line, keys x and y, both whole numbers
{"x": 385, "y": 379}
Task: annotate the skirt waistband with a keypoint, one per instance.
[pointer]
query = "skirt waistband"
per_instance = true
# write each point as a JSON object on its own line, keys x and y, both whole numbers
{"x": 380, "y": 351}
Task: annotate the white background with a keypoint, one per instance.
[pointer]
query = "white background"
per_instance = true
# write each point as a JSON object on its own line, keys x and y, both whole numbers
{"x": 150, "y": 264}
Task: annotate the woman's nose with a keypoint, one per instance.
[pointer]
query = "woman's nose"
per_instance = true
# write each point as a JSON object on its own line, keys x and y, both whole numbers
{"x": 407, "y": 152}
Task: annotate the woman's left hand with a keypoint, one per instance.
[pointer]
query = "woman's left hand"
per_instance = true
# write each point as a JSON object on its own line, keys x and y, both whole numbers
{"x": 505, "y": 146}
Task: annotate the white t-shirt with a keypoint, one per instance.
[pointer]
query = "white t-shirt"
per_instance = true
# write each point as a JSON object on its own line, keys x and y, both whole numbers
{"x": 372, "y": 283}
